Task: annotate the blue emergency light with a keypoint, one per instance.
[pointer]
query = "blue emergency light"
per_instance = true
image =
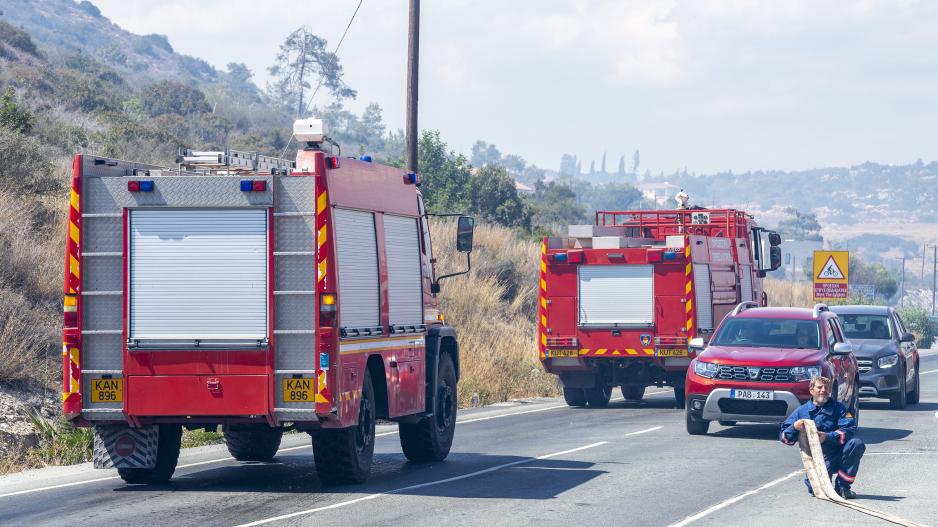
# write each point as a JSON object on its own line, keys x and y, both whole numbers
{"x": 670, "y": 256}
{"x": 560, "y": 257}
{"x": 366, "y": 159}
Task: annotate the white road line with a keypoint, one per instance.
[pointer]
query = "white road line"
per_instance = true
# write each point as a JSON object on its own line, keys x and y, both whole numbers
{"x": 897, "y": 453}
{"x": 927, "y": 372}
{"x": 733, "y": 500}
{"x": 420, "y": 485}
{"x": 644, "y": 431}
{"x": 288, "y": 449}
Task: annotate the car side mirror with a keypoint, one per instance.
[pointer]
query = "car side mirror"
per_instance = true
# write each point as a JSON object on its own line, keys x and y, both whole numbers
{"x": 907, "y": 337}
{"x": 842, "y": 348}
{"x": 464, "y": 227}
{"x": 696, "y": 344}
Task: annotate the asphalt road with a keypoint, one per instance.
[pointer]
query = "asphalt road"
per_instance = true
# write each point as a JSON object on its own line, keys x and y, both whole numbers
{"x": 520, "y": 464}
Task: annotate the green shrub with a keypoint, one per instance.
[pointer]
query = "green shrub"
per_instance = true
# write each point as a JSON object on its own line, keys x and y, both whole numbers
{"x": 12, "y": 116}
{"x": 61, "y": 443}
{"x": 170, "y": 97}
{"x": 25, "y": 164}
{"x": 18, "y": 39}
{"x": 919, "y": 324}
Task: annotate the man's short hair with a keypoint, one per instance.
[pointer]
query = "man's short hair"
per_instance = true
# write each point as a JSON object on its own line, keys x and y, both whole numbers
{"x": 819, "y": 380}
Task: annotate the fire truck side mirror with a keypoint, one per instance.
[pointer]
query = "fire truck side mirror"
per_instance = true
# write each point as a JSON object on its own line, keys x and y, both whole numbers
{"x": 775, "y": 256}
{"x": 774, "y": 239}
{"x": 464, "y": 229}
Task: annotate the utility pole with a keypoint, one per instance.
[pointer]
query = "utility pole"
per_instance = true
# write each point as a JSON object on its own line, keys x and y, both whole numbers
{"x": 934, "y": 276}
{"x": 901, "y": 280}
{"x": 413, "y": 54}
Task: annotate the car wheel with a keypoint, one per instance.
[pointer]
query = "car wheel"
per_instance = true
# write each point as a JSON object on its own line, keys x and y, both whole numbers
{"x": 574, "y": 396}
{"x": 916, "y": 392}
{"x": 897, "y": 400}
{"x": 695, "y": 425}
{"x": 633, "y": 392}
{"x": 599, "y": 396}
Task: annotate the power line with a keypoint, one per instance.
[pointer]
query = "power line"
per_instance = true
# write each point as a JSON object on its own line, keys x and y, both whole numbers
{"x": 334, "y": 52}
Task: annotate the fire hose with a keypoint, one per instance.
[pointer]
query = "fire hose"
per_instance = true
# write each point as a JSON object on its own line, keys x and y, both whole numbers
{"x": 813, "y": 459}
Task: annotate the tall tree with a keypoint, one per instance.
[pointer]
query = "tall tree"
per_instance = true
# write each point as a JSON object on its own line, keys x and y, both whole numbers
{"x": 621, "y": 171}
{"x": 303, "y": 60}
{"x": 592, "y": 167}
{"x": 635, "y": 161}
{"x": 567, "y": 164}
{"x": 604, "y": 163}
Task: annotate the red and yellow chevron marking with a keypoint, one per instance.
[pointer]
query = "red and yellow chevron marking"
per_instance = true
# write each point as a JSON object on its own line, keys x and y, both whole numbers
{"x": 71, "y": 337}
{"x": 688, "y": 290}
{"x": 322, "y": 235}
{"x": 322, "y": 391}
{"x": 600, "y": 352}
{"x": 350, "y": 395}
{"x": 542, "y": 304}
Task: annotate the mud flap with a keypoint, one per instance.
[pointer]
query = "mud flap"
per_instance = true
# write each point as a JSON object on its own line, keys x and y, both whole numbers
{"x": 120, "y": 446}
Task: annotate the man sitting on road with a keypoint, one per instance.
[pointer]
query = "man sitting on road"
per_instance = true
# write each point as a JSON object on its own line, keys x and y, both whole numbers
{"x": 836, "y": 427}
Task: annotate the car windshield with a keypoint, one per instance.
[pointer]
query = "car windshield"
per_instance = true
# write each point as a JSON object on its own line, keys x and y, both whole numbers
{"x": 866, "y": 326}
{"x": 768, "y": 333}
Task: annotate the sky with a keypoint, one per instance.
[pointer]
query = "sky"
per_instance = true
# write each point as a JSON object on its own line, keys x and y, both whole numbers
{"x": 706, "y": 85}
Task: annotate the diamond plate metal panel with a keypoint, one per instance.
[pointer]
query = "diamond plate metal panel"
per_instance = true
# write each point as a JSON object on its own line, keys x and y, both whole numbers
{"x": 101, "y": 234}
{"x": 295, "y": 194}
{"x": 294, "y": 233}
{"x": 86, "y": 393}
{"x": 106, "y": 194}
{"x": 278, "y": 391}
{"x": 101, "y": 312}
{"x": 101, "y": 352}
{"x": 294, "y": 312}
{"x": 294, "y": 352}
{"x": 294, "y": 272}
{"x": 102, "y": 273}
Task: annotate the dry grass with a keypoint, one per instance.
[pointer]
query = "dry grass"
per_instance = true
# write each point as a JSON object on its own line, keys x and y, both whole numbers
{"x": 784, "y": 293}
{"x": 493, "y": 310}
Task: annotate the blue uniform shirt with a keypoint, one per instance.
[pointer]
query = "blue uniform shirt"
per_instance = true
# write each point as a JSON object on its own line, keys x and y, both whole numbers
{"x": 832, "y": 418}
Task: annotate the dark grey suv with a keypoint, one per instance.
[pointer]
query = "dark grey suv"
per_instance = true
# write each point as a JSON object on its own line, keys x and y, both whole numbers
{"x": 887, "y": 357}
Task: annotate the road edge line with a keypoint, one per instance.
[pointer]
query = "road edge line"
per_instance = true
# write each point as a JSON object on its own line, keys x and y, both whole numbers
{"x": 726, "y": 503}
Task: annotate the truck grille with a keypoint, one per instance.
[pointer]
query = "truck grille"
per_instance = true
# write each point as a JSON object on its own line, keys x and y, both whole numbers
{"x": 754, "y": 373}
{"x": 747, "y": 407}
{"x": 864, "y": 366}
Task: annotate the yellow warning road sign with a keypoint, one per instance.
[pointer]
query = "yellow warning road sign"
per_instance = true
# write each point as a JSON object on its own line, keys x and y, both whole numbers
{"x": 831, "y": 274}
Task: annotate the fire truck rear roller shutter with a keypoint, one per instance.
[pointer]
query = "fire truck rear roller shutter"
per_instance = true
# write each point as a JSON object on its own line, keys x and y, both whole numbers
{"x": 745, "y": 282}
{"x": 357, "y": 256}
{"x": 198, "y": 274}
{"x": 616, "y": 295}
{"x": 405, "y": 292}
{"x": 703, "y": 296}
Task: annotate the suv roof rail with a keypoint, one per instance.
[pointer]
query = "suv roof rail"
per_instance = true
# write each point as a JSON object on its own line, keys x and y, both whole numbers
{"x": 742, "y": 307}
{"x": 818, "y": 308}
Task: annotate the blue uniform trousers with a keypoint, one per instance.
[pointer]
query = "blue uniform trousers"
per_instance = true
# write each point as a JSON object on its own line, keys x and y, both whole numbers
{"x": 842, "y": 460}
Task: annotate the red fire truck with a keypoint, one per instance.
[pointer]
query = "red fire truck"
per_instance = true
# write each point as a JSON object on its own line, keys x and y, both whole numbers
{"x": 620, "y": 299}
{"x": 260, "y": 295}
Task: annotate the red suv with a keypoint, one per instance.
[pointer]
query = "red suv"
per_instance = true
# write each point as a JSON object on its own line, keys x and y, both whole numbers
{"x": 759, "y": 362}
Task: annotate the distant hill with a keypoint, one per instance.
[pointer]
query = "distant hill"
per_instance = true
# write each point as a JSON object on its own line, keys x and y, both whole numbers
{"x": 67, "y": 27}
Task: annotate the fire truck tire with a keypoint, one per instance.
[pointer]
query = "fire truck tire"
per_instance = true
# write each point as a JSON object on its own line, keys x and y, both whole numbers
{"x": 633, "y": 392}
{"x": 253, "y": 443}
{"x": 599, "y": 396}
{"x": 679, "y": 400}
{"x": 431, "y": 438}
{"x": 344, "y": 455}
{"x": 574, "y": 396}
{"x": 167, "y": 455}
{"x": 695, "y": 425}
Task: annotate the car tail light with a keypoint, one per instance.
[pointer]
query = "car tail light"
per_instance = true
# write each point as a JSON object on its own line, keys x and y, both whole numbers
{"x": 327, "y": 309}
{"x": 71, "y": 311}
{"x": 332, "y": 162}
{"x": 568, "y": 257}
{"x": 561, "y": 342}
{"x": 676, "y": 342}
{"x": 654, "y": 256}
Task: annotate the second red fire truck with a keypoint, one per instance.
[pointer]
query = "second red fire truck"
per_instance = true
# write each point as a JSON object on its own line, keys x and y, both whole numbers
{"x": 620, "y": 300}
{"x": 259, "y": 295}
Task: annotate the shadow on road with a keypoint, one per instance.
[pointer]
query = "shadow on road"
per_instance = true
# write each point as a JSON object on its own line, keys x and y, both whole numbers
{"x": 883, "y": 404}
{"x": 874, "y": 436}
{"x": 529, "y": 478}
{"x": 873, "y": 497}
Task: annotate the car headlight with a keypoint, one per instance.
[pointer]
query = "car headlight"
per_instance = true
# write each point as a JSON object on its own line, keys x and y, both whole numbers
{"x": 887, "y": 361}
{"x": 805, "y": 373}
{"x": 706, "y": 369}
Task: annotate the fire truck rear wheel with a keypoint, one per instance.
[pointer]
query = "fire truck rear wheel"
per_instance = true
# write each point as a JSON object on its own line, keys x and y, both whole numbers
{"x": 344, "y": 455}
{"x": 633, "y": 392}
{"x": 167, "y": 455}
{"x": 574, "y": 396}
{"x": 599, "y": 396}
{"x": 252, "y": 443}
{"x": 679, "y": 400}
{"x": 430, "y": 439}
{"x": 695, "y": 425}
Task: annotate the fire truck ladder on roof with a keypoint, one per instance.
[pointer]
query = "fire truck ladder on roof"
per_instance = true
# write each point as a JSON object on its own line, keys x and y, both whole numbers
{"x": 234, "y": 161}
{"x": 662, "y": 223}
